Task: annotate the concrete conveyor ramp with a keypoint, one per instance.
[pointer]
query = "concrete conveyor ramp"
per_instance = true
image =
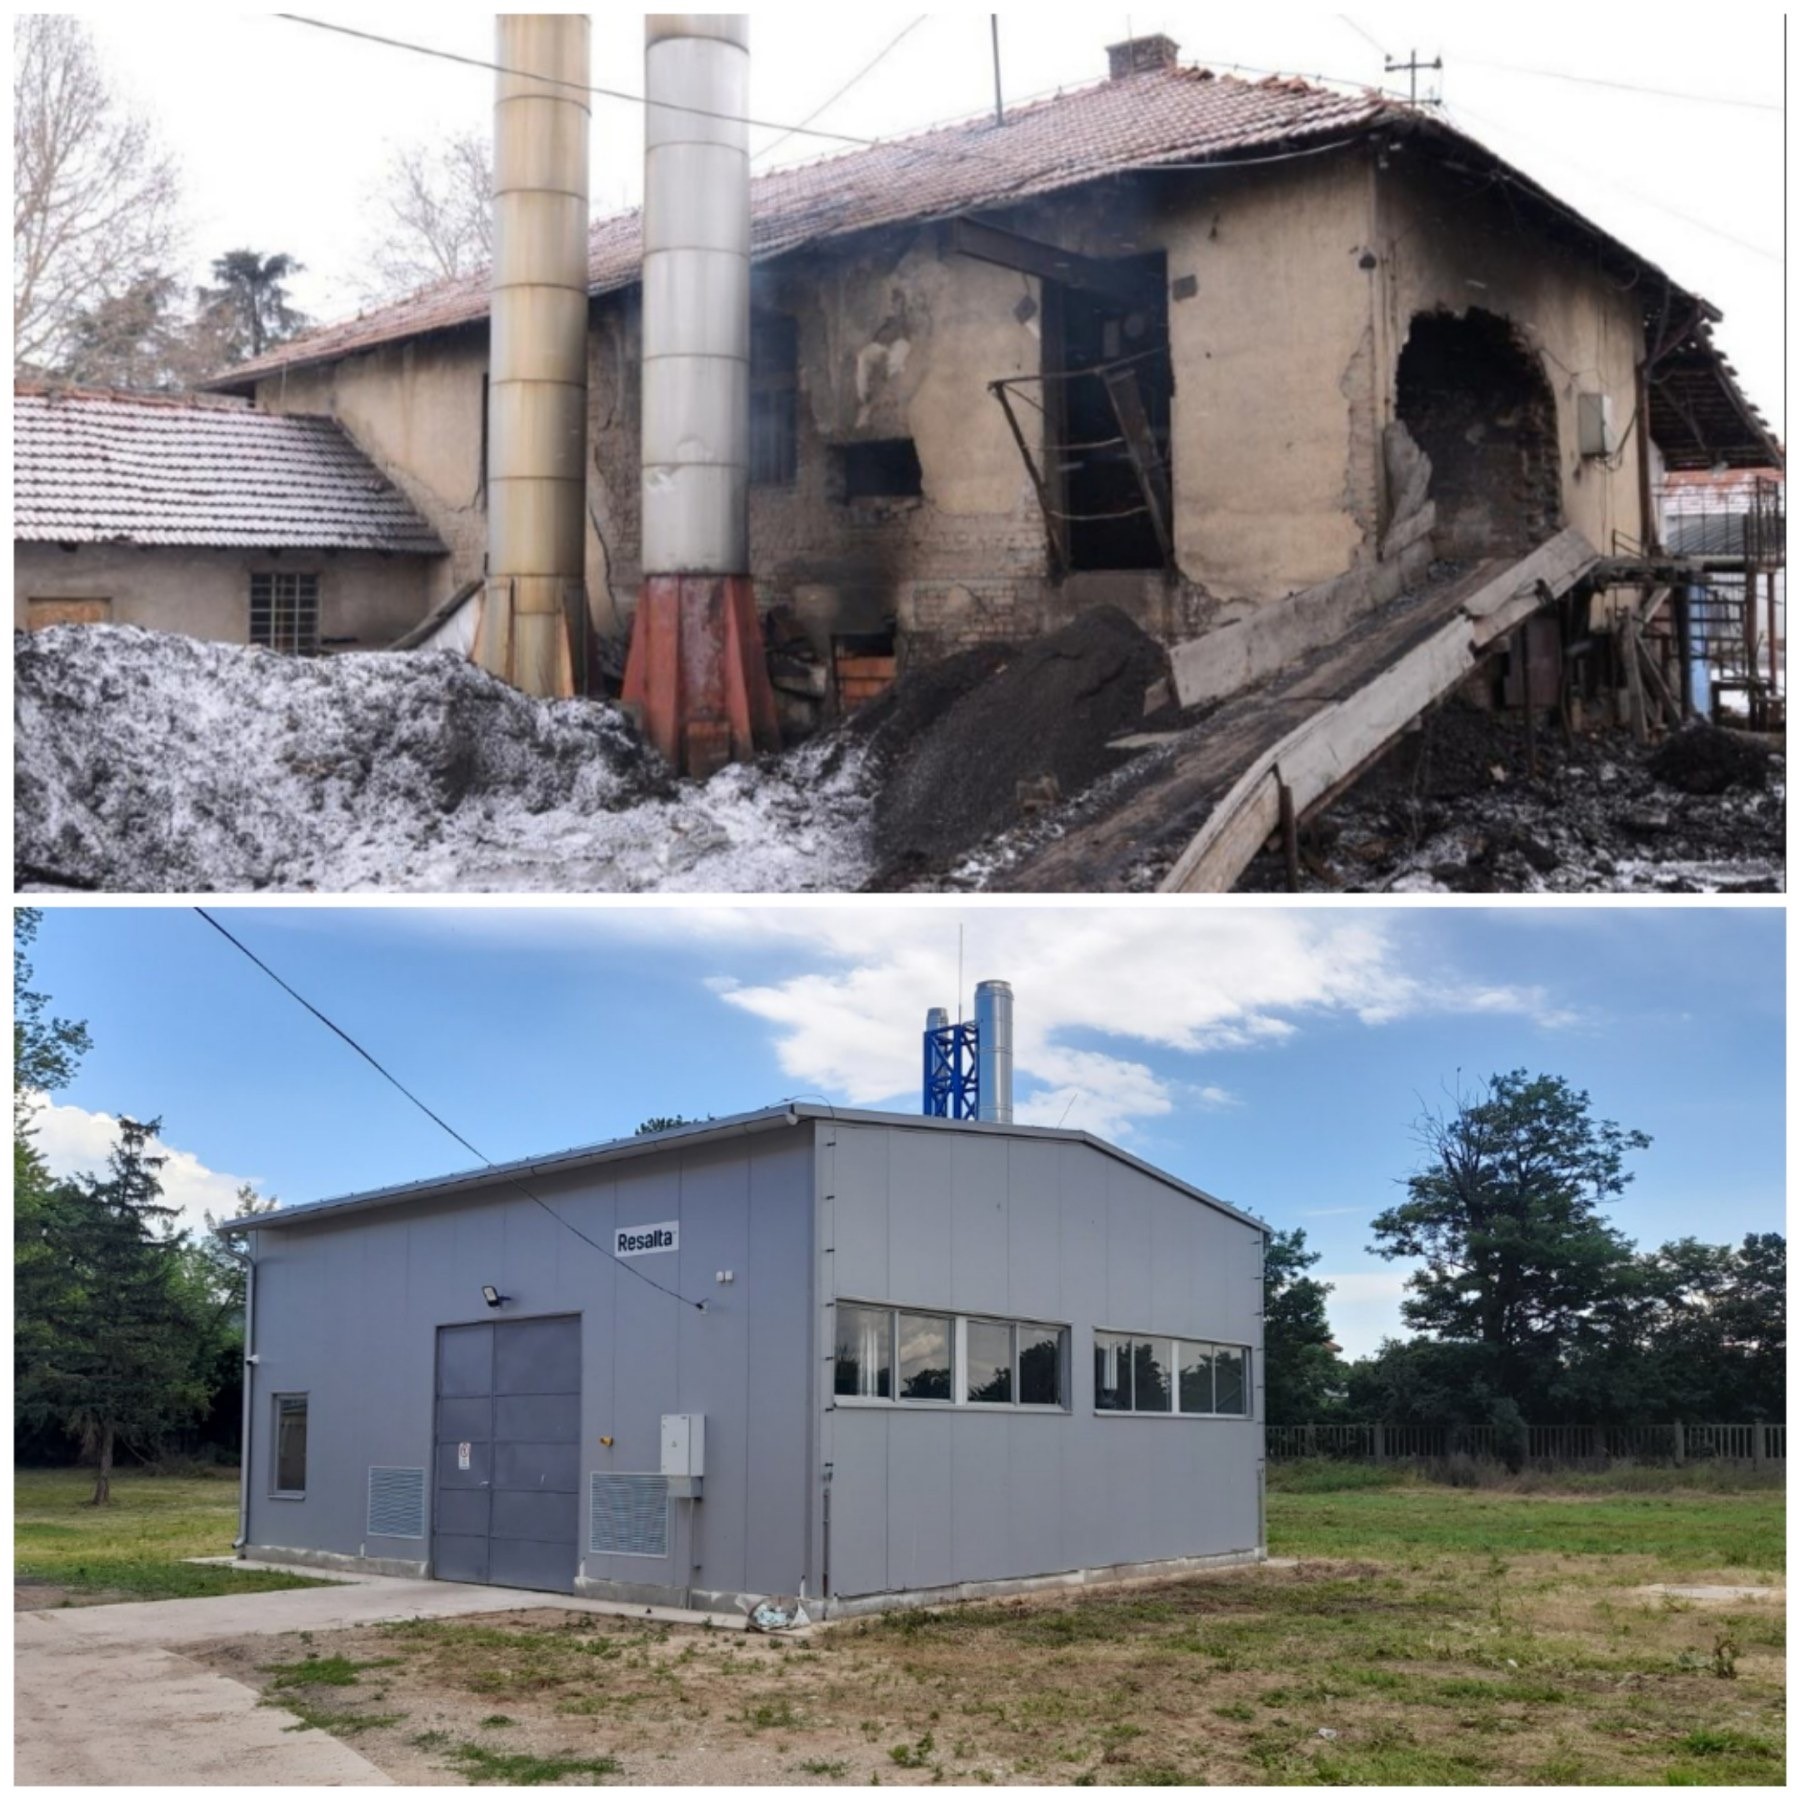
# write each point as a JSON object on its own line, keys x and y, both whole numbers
{"x": 1210, "y": 798}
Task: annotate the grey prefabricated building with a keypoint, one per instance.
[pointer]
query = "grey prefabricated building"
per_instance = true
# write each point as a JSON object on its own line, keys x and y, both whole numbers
{"x": 521, "y": 1444}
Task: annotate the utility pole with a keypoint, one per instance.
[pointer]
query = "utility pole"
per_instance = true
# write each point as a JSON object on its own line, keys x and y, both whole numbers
{"x": 999, "y": 106}
{"x": 1411, "y": 67}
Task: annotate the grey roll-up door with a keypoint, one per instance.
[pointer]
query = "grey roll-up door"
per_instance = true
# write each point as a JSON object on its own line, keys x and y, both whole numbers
{"x": 509, "y": 1405}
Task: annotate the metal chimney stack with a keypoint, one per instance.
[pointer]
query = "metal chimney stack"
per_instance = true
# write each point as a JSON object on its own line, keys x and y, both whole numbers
{"x": 696, "y": 672}
{"x": 535, "y": 612}
{"x": 994, "y": 1043}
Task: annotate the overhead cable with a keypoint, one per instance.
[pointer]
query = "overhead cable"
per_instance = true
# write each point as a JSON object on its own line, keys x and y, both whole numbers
{"x": 443, "y": 1124}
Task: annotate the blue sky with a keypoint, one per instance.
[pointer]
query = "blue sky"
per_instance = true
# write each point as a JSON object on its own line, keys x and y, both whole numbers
{"x": 1276, "y": 1056}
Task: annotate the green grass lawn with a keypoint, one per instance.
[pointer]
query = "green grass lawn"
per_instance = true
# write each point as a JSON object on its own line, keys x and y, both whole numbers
{"x": 133, "y": 1548}
{"x": 1683, "y": 1531}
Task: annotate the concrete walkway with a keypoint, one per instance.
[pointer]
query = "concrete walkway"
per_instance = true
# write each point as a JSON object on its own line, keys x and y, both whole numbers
{"x": 103, "y": 1697}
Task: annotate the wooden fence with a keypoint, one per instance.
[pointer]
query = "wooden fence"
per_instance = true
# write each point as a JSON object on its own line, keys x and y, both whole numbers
{"x": 1554, "y": 1445}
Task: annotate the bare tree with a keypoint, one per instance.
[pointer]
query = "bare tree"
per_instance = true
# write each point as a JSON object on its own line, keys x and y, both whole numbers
{"x": 94, "y": 195}
{"x": 434, "y": 202}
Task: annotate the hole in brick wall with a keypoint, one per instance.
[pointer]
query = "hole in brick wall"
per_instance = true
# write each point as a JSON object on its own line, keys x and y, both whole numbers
{"x": 863, "y": 665}
{"x": 884, "y": 468}
{"x": 1476, "y": 402}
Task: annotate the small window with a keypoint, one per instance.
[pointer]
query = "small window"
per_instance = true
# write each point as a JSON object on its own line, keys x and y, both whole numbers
{"x": 290, "y": 1445}
{"x": 990, "y": 1362}
{"x": 887, "y": 468}
{"x": 284, "y": 613}
{"x": 924, "y": 1356}
{"x": 1170, "y": 1375}
{"x": 774, "y": 383}
{"x": 865, "y": 1352}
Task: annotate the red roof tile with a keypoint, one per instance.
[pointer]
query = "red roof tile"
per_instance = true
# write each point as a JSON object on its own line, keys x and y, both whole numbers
{"x": 1160, "y": 116}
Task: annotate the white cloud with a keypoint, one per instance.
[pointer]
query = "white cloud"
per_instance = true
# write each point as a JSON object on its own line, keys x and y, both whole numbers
{"x": 1194, "y": 983}
{"x": 74, "y": 1141}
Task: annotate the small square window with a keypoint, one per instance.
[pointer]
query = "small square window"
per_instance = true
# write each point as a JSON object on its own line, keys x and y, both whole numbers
{"x": 284, "y": 613}
{"x": 882, "y": 468}
{"x": 924, "y": 1356}
{"x": 865, "y": 1352}
{"x": 989, "y": 1354}
{"x": 290, "y": 1445}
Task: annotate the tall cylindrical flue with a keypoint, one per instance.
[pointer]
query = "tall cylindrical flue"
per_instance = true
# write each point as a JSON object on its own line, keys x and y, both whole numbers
{"x": 696, "y": 670}
{"x": 533, "y": 628}
{"x": 994, "y": 1042}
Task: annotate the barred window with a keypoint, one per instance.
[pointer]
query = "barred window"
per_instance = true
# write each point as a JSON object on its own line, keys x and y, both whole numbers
{"x": 774, "y": 380}
{"x": 284, "y": 613}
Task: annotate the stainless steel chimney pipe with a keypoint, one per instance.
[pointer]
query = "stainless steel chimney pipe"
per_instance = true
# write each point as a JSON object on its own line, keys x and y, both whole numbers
{"x": 534, "y": 616}
{"x": 696, "y": 419}
{"x": 994, "y": 1047}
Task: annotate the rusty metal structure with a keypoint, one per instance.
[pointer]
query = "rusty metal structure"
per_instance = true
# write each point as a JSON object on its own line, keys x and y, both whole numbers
{"x": 696, "y": 671}
{"x": 534, "y": 617}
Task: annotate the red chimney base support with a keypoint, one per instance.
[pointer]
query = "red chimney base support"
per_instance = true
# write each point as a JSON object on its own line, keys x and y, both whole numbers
{"x": 696, "y": 674}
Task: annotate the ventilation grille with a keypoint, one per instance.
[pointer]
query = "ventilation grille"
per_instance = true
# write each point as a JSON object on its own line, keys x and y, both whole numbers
{"x": 397, "y": 1503}
{"x": 628, "y": 1515}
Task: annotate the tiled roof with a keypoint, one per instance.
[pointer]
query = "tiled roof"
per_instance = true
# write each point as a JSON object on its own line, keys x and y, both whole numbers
{"x": 1160, "y": 116}
{"x": 95, "y": 467}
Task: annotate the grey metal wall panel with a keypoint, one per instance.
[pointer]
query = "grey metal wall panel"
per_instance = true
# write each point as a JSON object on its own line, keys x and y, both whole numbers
{"x": 349, "y": 1310}
{"x": 537, "y": 1356}
{"x": 979, "y": 1197}
{"x": 920, "y": 1502}
{"x": 859, "y": 1159}
{"x": 1060, "y": 1231}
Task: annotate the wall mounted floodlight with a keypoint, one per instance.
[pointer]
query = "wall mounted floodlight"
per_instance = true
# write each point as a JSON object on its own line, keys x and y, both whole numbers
{"x": 493, "y": 1296}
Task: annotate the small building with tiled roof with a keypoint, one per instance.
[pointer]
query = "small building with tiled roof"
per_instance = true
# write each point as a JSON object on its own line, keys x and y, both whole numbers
{"x": 206, "y": 516}
{"x": 1170, "y": 341}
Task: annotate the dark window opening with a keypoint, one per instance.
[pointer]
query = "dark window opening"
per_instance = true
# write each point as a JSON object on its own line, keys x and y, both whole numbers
{"x": 1476, "y": 402}
{"x": 284, "y": 613}
{"x": 290, "y": 1444}
{"x": 1094, "y": 468}
{"x": 774, "y": 385}
{"x": 887, "y": 468}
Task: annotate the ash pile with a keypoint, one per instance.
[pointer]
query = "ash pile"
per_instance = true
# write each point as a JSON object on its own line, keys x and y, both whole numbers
{"x": 1455, "y": 808}
{"x": 147, "y": 762}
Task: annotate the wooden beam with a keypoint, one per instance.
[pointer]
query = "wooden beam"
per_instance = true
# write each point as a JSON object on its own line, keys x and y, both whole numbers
{"x": 1140, "y": 445}
{"x": 988, "y": 243}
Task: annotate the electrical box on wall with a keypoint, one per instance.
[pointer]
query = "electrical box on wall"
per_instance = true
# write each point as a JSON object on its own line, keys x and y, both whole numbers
{"x": 1593, "y": 417}
{"x": 684, "y": 1453}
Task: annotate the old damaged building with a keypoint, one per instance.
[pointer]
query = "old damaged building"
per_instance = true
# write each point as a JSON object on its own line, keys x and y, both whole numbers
{"x": 1183, "y": 343}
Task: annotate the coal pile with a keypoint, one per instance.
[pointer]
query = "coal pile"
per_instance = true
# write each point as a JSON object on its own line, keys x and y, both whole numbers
{"x": 1705, "y": 760}
{"x": 1455, "y": 808}
{"x": 968, "y": 747}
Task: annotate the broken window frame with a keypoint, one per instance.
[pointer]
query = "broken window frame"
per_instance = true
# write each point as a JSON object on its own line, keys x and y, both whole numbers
{"x": 1024, "y": 1334}
{"x": 295, "y": 633}
{"x": 858, "y": 463}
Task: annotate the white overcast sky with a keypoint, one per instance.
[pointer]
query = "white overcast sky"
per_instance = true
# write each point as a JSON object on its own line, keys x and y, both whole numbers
{"x": 280, "y": 128}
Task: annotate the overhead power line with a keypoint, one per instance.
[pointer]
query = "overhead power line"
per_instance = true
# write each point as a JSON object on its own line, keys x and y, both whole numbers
{"x": 442, "y": 1124}
{"x": 826, "y": 105}
{"x": 1627, "y": 87}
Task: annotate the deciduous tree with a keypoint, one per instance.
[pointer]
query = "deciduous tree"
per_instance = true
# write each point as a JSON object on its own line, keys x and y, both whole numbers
{"x": 94, "y": 196}
{"x": 434, "y": 206}
{"x": 1303, "y": 1378}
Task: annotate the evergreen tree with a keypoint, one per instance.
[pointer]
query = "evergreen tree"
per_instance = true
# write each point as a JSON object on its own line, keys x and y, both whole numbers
{"x": 1303, "y": 1378}
{"x": 250, "y": 305}
{"x": 118, "y": 1361}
